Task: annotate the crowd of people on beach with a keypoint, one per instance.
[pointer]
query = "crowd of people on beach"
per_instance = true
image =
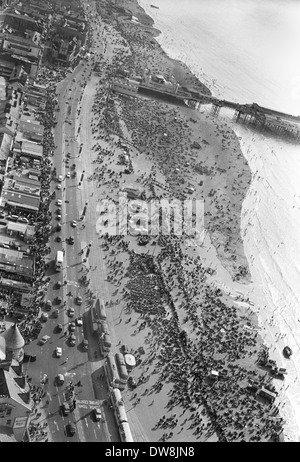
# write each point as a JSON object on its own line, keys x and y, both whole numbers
{"x": 194, "y": 329}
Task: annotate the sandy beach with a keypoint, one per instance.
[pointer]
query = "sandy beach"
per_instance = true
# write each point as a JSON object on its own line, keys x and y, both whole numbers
{"x": 185, "y": 309}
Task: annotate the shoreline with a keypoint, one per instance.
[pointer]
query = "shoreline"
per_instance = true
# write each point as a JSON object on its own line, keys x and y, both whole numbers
{"x": 189, "y": 293}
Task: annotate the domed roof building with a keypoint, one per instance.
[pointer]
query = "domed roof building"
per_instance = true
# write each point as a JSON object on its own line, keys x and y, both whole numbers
{"x": 14, "y": 343}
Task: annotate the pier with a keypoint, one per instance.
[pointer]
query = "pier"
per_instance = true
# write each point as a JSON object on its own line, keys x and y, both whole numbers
{"x": 265, "y": 119}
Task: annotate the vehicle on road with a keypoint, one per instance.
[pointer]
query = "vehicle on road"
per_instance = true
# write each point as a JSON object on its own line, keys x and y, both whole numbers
{"x": 85, "y": 345}
{"x": 72, "y": 327}
{"x": 48, "y": 305}
{"x": 124, "y": 349}
{"x": 79, "y": 321}
{"x": 65, "y": 408}
{"x": 71, "y": 312}
{"x": 132, "y": 382}
{"x": 71, "y": 429}
{"x": 27, "y": 358}
{"x": 59, "y": 328}
{"x": 97, "y": 414}
{"x": 68, "y": 174}
{"x": 72, "y": 340}
{"x": 59, "y": 260}
{"x": 60, "y": 379}
{"x": 44, "y": 339}
{"x": 74, "y": 223}
{"x": 58, "y": 352}
{"x": 23, "y": 220}
{"x": 78, "y": 300}
{"x": 59, "y": 202}
{"x": 44, "y": 317}
{"x": 71, "y": 240}
{"x": 56, "y": 313}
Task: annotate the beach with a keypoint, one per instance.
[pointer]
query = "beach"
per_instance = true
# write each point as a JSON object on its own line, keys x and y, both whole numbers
{"x": 187, "y": 309}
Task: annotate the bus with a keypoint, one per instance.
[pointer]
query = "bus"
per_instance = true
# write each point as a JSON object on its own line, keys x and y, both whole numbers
{"x": 59, "y": 260}
{"x": 111, "y": 372}
{"x": 123, "y": 374}
{"x": 125, "y": 432}
{"x": 100, "y": 311}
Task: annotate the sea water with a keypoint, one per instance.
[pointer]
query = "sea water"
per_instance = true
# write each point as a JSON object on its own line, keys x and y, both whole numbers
{"x": 247, "y": 51}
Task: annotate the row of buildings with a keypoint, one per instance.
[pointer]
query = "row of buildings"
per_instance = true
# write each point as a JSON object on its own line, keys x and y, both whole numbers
{"x": 32, "y": 33}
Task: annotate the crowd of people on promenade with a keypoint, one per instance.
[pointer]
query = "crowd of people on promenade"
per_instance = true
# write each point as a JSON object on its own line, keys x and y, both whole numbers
{"x": 199, "y": 331}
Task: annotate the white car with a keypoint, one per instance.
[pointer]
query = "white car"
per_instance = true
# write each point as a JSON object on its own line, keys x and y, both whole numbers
{"x": 97, "y": 414}
{"x": 44, "y": 339}
{"x": 58, "y": 352}
{"x": 58, "y": 186}
{"x": 74, "y": 223}
{"x": 59, "y": 202}
{"x": 79, "y": 321}
{"x": 68, "y": 174}
{"x": 71, "y": 312}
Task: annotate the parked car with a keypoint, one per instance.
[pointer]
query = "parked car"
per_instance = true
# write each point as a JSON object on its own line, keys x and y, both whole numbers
{"x": 44, "y": 339}
{"x": 85, "y": 345}
{"x": 68, "y": 174}
{"x": 74, "y": 223}
{"x": 58, "y": 239}
{"x": 79, "y": 321}
{"x": 48, "y": 305}
{"x": 59, "y": 328}
{"x": 58, "y": 352}
{"x": 132, "y": 382}
{"x": 72, "y": 340}
{"x": 71, "y": 240}
{"x": 71, "y": 312}
{"x": 44, "y": 317}
{"x": 58, "y": 284}
{"x": 27, "y": 358}
{"x": 124, "y": 349}
{"x": 59, "y": 202}
{"x": 78, "y": 300}
{"x": 97, "y": 414}
{"x": 58, "y": 227}
{"x": 72, "y": 326}
{"x": 58, "y": 186}
{"x": 60, "y": 379}
{"x": 60, "y": 178}
{"x": 56, "y": 313}
{"x": 58, "y": 300}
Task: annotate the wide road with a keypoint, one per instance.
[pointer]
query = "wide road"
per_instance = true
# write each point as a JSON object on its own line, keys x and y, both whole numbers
{"x": 75, "y": 363}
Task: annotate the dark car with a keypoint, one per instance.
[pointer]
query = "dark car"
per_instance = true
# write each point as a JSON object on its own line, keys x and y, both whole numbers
{"x": 132, "y": 382}
{"x": 59, "y": 328}
{"x": 124, "y": 349}
{"x": 71, "y": 429}
{"x": 58, "y": 227}
{"x": 28, "y": 358}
